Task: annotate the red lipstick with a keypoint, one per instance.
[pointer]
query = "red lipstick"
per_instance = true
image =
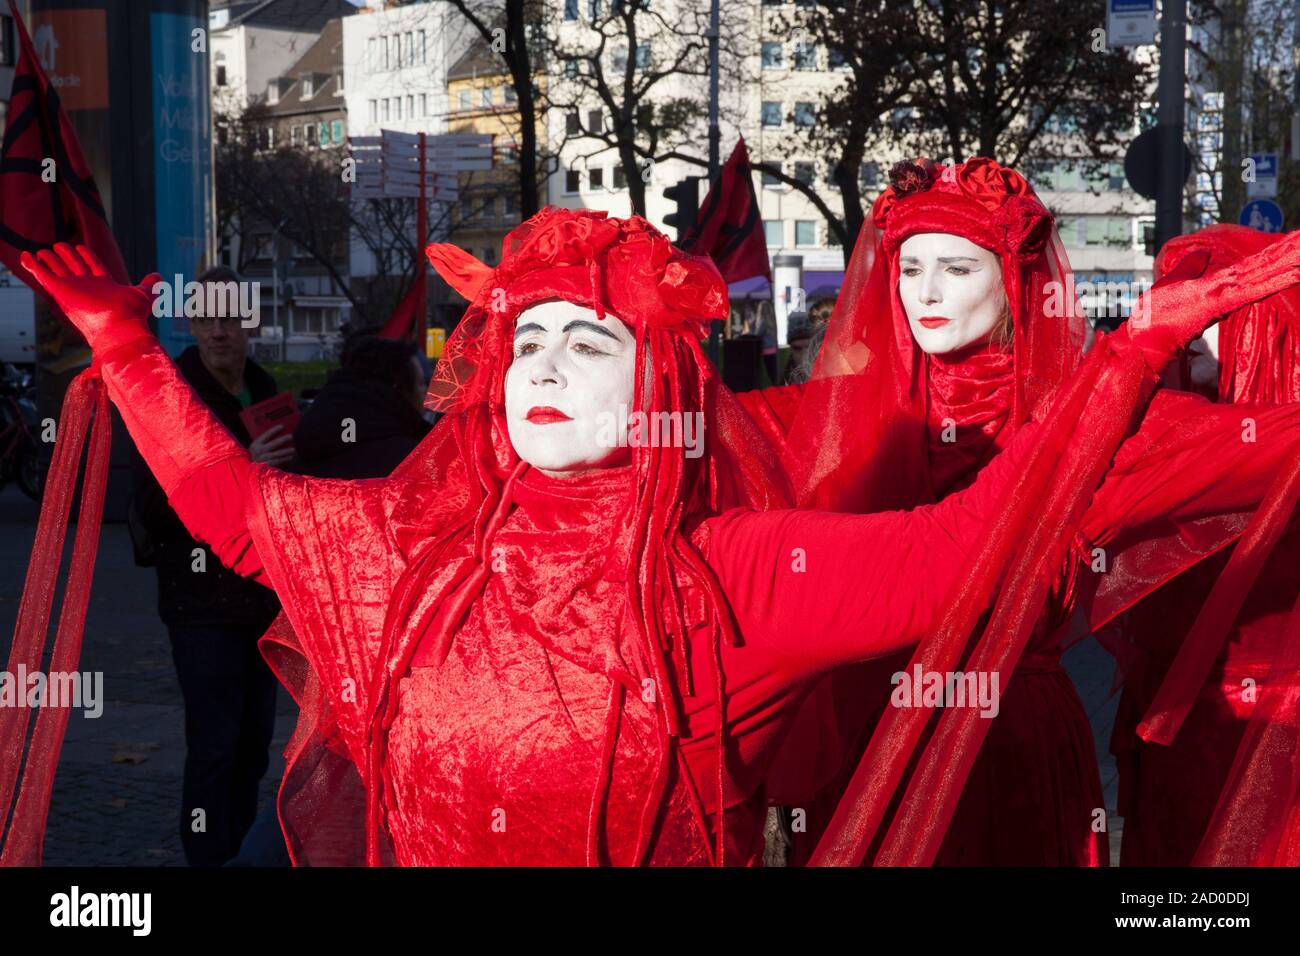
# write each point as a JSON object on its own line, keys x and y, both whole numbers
{"x": 546, "y": 415}
{"x": 933, "y": 321}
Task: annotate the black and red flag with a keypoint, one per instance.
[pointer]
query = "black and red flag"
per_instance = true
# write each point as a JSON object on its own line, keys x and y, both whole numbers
{"x": 729, "y": 228}
{"x": 44, "y": 202}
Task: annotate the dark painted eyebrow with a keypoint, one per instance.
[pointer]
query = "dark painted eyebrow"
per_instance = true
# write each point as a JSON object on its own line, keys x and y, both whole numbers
{"x": 527, "y": 327}
{"x": 590, "y": 326}
{"x": 942, "y": 259}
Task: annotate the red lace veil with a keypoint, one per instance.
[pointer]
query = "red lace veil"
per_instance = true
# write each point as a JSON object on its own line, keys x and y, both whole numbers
{"x": 627, "y": 268}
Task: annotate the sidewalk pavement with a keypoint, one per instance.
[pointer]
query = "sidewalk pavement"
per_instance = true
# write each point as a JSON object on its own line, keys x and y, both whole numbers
{"x": 118, "y": 790}
{"x": 117, "y": 794}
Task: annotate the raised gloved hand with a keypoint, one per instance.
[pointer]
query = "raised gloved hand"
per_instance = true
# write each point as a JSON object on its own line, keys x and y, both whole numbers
{"x": 1185, "y": 303}
{"x": 104, "y": 310}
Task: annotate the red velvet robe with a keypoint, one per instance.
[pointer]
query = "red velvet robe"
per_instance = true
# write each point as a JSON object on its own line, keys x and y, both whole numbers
{"x": 492, "y": 753}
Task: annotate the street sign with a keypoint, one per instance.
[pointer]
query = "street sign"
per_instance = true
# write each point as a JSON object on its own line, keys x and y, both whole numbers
{"x": 1264, "y": 185}
{"x": 1130, "y": 22}
{"x": 1262, "y": 214}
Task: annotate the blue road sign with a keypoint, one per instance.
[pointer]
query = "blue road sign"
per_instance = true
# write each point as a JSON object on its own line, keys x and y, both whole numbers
{"x": 1262, "y": 214}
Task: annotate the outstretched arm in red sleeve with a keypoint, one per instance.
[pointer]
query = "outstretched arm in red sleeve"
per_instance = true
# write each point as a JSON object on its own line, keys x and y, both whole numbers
{"x": 203, "y": 470}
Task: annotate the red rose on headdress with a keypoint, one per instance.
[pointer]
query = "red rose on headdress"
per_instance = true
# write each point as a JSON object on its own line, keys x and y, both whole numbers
{"x": 912, "y": 176}
{"x": 693, "y": 288}
{"x": 1028, "y": 224}
{"x": 989, "y": 183}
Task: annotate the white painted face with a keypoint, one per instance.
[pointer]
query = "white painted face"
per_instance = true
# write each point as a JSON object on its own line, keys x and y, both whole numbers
{"x": 570, "y": 374}
{"x": 1203, "y": 358}
{"x": 951, "y": 289}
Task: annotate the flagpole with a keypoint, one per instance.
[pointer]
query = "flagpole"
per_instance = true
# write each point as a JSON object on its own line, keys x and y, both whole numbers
{"x": 715, "y": 149}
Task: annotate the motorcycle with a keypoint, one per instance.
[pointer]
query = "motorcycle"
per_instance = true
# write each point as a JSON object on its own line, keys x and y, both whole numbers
{"x": 23, "y": 456}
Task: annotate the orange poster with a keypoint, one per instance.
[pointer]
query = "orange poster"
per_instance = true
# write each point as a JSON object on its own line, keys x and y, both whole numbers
{"x": 72, "y": 46}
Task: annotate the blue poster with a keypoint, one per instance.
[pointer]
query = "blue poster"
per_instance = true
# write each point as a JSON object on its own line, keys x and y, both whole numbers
{"x": 182, "y": 164}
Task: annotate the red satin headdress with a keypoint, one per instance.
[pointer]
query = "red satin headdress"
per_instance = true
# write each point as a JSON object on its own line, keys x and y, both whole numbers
{"x": 1259, "y": 345}
{"x": 988, "y": 204}
{"x": 625, "y": 267}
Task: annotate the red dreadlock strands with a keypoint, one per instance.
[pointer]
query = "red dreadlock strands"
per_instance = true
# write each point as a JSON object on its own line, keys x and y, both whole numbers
{"x": 609, "y": 744}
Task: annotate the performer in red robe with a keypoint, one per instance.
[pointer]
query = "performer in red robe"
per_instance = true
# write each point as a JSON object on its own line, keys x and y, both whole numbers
{"x": 957, "y": 324}
{"x": 553, "y": 638}
{"x": 1177, "y": 734}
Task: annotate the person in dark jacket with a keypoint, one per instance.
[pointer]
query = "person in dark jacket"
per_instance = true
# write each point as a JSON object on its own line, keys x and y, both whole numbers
{"x": 366, "y": 418}
{"x": 214, "y": 617}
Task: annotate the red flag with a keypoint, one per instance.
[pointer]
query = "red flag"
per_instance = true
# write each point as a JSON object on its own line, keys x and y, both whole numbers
{"x": 34, "y": 213}
{"x": 729, "y": 228}
{"x": 399, "y": 323}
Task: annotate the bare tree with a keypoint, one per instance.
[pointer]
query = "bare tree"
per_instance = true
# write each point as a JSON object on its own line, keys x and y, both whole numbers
{"x": 514, "y": 34}
{"x": 629, "y": 80}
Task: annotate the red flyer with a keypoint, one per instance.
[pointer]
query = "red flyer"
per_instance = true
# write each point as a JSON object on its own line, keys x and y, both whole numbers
{"x": 279, "y": 409}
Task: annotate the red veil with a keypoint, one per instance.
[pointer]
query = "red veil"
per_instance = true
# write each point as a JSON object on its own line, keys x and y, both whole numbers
{"x": 1257, "y": 820}
{"x": 863, "y": 439}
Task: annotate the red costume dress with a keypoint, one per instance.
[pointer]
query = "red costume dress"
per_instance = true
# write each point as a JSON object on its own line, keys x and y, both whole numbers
{"x": 507, "y": 668}
{"x": 1033, "y": 790}
{"x": 1176, "y": 745}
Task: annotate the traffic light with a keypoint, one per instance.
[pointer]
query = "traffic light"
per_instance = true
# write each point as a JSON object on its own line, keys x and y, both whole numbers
{"x": 686, "y": 194}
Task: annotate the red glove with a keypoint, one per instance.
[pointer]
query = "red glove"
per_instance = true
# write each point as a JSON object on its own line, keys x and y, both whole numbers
{"x": 1173, "y": 313}
{"x": 105, "y": 311}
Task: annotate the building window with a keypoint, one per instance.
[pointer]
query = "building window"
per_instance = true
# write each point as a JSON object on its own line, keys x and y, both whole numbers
{"x": 336, "y": 131}
{"x": 768, "y": 178}
{"x": 835, "y": 58}
{"x": 338, "y": 82}
{"x": 512, "y": 204}
{"x": 771, "y": 113}
{"x": 773, "y": 234}
{"x": 594, "y": 124}
{"x": 804, "y": 172}
{"x": 424, "y": 49}
{"x": 570, "y": 69}
{"x": 410, "y": 106}
{"x": 773, "y": 56}
{"x": 572, "y": 124}
{"x": 643, "y": 56}
{"x": 273, "y": 92}
{"x": 324, "y": 132}
{"x": 269, "y": 140}
{"x": 485, "y": 96}
{"x": 386, "y": 109}
{"x": 308, "y": 86}
{"x": 293, "y": 135}
{"x": 805, "y": 56}
{"x": 593, "y": 9}
{"x": 805, "y": 232}
{"x": 508, "y": 94}
{"x": 572, "y": 181}
{"x": 805, "y": 114}
{"x": 620, "y": 178}
{"x": 372, "y": 53}
{"x": 570, "y": 9}
{"x": 409, "y": 43}
{"x": 424, "y": 104}
{"x": 6, "y": 54}
{"x": 463, "y": 100}
{"x": 597, "y": 178}
{"x": 397, "y": 107}
{"x": 870, "y": 175}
